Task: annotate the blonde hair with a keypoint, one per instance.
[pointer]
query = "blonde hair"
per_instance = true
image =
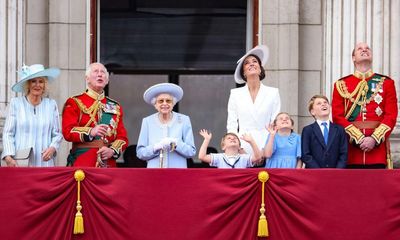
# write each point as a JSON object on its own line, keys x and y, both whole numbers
{"x": 46, "y": 86}
{"x": 228, "y": 134}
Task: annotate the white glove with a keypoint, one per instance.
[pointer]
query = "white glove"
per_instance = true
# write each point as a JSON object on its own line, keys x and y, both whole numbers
{"x": 166, "y": 143}
{"x": 158, "y": 146}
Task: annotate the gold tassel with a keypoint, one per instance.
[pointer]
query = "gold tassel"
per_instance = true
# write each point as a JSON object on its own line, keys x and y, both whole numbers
{"x": 78, "y": 225}
{"x": 388, "y": 155}
{"x": 389, "y": 161}
{"x": 263, "y": 177}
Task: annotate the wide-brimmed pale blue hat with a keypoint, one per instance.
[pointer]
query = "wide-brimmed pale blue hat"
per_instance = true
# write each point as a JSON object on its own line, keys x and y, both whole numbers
{"x": 260, "y": 51}
{"x": 169, "y": 88}
{"x": 33, "y": 71}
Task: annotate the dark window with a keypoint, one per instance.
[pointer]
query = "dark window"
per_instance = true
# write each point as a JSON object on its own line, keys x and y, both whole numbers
{"x": 172, "y": 35}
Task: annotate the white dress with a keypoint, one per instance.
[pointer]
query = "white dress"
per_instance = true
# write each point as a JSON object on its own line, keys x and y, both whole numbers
{"x": 32, "y": 126}
{"x": 244, "y": 116}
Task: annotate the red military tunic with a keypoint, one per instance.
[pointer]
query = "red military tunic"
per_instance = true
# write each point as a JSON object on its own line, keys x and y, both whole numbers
{"x": 365, "y": 108}
{"x": 81, "y": 113}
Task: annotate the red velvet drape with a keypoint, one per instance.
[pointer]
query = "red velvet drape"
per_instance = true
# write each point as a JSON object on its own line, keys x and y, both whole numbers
{"x": 39, "y": 203}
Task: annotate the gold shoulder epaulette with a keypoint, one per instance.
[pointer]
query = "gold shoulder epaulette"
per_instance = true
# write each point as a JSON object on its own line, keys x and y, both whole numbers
{"x": 75, "y": 96}
{"x": 112, "y": 100}
{"x": 343, "y": 78}
{"x": 382, "y": 76}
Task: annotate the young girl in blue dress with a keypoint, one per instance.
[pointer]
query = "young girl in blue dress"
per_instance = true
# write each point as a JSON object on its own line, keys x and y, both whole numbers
{"x": 283, "y": 146}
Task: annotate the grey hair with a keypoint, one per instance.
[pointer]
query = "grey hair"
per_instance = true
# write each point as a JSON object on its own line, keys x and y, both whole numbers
{"x": 153, "y": 100}
{"x": 89, "y": 69}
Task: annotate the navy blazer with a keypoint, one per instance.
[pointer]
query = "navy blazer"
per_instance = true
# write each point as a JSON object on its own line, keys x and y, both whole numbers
{"x": 316, "y": 154}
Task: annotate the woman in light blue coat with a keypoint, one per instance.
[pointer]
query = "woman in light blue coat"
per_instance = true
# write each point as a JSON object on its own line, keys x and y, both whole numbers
{"x": 166, "y": 137}
{"x": 33, "y": 119}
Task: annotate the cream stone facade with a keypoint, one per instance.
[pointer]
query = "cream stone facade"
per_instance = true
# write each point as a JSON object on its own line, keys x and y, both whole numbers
{"x": 310, "y": 46}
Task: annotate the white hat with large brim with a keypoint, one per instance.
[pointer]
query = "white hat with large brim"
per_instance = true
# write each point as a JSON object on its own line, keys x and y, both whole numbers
{"x": 169, "y": 88}
{"x": 260, "y": 51}
{"x": 34, "y": 71}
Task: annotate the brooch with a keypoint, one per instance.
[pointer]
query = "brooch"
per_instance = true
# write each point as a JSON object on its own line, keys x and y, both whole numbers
{"x": 292, "y": 139}
{"x": 378, "y": 98}
{"x": 378, "y": 111}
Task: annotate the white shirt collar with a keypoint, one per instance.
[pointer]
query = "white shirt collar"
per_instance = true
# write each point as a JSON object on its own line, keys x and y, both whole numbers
{"x": 320, "y": 123}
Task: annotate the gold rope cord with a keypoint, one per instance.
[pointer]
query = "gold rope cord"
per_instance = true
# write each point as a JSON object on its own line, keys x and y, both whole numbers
{"x": 361, "y": 90}
{"x": 92, "y": 111}
{"x": 263, "y": 177}
{"x": 78, "y": 223}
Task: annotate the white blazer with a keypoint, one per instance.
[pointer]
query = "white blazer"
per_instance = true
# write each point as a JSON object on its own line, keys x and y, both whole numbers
{"x": 244, "y": 116}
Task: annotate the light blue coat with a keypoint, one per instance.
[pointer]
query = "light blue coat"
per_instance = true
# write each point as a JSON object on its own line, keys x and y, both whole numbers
{"x": 32, "y": 126}
{"x": 152, "y": 131}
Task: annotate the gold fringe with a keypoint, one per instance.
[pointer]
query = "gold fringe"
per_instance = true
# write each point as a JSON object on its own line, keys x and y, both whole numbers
{"x": 78, "y": 224}
{"x": 263, "y": 177}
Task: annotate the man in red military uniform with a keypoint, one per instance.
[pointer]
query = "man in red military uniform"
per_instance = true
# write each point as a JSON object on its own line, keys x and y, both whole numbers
{"x": 365, "y": 104}
{"x": 93, "y": 123}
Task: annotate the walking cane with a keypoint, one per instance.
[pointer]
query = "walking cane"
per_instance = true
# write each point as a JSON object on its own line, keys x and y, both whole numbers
{"x": 162, "y": 158}
{"x": 163, "y": 151}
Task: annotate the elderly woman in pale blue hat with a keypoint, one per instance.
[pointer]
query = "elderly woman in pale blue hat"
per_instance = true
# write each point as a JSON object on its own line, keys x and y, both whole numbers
{"x": 32, "y": 123}
{"x": 254, "y": 106}
{"x": 166, "y": 137}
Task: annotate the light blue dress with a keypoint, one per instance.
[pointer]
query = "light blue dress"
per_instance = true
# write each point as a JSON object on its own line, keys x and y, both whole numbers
{"x": 152, "y": 131}
{"x": 285, "y": 151}
{"x": 220, "y": 160}
{"x": 32, "y": 126}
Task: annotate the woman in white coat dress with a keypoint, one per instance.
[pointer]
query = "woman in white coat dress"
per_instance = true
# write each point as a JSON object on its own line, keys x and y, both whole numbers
{"x": 254, "y": 105}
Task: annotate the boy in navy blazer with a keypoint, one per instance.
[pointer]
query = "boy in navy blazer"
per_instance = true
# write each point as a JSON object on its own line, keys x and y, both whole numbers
{"x": 323, "y": 143}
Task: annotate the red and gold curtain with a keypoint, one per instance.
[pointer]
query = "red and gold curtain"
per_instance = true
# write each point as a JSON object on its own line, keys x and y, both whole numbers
{"x": 40, "y": 203}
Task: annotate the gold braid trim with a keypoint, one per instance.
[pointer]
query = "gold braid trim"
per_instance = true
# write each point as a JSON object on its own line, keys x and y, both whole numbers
{"x": 379, "y": 133}
{"x": 361, "y": 91}
{"x": 118, "y": 113}
{"x": 81, "y": 131}
{"x": 117, "y": 145}
{"x": 355, "y": 134}
{"x": 92, "y": 111}
{"x": 363, "y": 75}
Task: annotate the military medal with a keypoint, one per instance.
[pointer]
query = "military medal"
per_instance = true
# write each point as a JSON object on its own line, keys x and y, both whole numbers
{"x": 378, "y": 111}
{"x": 373, "y": 85}
{"x": 378, "y": 98}
{"x": 110, "y": 108}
